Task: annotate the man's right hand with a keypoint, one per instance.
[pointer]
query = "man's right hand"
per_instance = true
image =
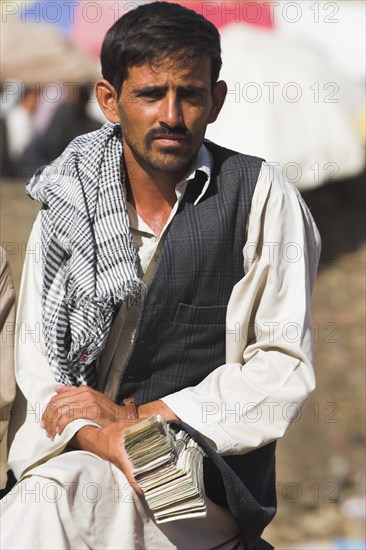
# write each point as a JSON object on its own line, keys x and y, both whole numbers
{"x": 107, "y": 443}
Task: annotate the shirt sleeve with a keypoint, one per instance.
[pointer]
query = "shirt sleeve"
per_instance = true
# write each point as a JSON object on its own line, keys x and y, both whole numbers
{"x": 33, "y": 373}
{"x": 251, "y": 400}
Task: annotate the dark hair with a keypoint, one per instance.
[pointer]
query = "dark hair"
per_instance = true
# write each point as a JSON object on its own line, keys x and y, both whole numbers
{"x": 158, "y": 31}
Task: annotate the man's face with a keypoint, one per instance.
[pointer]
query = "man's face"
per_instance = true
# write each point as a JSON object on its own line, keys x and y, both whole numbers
{"x": 164, "y": 110}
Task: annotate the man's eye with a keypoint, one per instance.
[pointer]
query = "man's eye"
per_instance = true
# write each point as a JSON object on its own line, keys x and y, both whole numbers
{"x": 192, "y": 95}
{"x": 152, "y": 94}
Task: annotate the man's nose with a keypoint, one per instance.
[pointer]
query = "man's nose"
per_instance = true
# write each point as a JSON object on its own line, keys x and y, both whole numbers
{"x": 171, "y": 113}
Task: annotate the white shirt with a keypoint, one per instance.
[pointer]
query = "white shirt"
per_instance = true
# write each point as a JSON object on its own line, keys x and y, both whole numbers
{"x": 268, "y": 375}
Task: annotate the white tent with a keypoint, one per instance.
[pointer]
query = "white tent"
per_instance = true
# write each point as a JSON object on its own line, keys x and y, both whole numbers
{"x": 286, "y": 103}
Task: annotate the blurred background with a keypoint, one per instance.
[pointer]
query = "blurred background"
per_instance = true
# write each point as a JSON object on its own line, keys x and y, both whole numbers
{"x": 296, "y": 79}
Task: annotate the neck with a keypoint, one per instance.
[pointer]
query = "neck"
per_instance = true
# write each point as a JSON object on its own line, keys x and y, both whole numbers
{"x": 146, "y": 185}
{"x": 151, "y": 193}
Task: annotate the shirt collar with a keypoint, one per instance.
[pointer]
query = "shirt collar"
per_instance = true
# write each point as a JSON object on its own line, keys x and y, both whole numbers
{"x": 203, "y": 162}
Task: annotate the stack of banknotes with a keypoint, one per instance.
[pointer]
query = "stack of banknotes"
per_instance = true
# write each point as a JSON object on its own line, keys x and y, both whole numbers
{"x": 168, "y": 466}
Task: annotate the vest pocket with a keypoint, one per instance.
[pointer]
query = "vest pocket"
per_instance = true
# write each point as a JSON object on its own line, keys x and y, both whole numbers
{"x": 200, "y": 315}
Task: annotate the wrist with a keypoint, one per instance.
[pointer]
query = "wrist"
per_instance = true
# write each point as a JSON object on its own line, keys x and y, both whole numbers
{"x": 84, "y": 438}
{"x": 156, "y": 407}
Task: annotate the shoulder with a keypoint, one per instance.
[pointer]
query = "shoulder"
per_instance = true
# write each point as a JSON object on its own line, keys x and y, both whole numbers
{"x": 235, "y": 168}
{"x": 273, "y": 186}
{"x": 277, "y": 200}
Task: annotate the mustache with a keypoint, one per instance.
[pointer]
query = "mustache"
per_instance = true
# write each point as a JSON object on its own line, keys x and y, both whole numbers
{"x": 166, "y": 131}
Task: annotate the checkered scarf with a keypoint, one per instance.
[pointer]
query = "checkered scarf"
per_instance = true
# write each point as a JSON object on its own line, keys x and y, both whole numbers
{"x": 89, "y": 260}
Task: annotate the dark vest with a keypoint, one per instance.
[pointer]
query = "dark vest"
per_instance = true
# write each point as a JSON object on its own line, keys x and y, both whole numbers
{"x": 180, "y": 333}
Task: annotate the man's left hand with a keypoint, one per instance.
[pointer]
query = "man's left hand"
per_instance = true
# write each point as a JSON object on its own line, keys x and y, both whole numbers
{"x": 72, "y": 402}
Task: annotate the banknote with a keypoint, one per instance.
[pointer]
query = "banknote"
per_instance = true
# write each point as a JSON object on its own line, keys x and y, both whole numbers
{"x": 168, "y": 466}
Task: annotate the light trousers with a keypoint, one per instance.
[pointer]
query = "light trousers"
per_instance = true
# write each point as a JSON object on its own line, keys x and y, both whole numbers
{"x": 78, "y": 501}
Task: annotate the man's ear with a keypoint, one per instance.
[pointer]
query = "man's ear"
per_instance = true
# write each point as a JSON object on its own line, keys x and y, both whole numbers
{"x": 218, "y": 96}
{"x": 107, "y": 98}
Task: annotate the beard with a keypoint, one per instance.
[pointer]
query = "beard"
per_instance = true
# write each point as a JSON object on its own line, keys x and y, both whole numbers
{"x": 164, "y": 158}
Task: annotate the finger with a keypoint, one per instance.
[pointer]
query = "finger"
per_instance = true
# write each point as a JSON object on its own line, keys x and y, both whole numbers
{"x": 135, "y": 486}
{"x": 123, "y": 462}
{"x": 128, "y": 467}
{"x": 57, "y": 416}
{"x": 61, "y": 388}
{"x": 65, "y": 417}
{"x": 63, "y": 421}
{"x": 50, "y": 414}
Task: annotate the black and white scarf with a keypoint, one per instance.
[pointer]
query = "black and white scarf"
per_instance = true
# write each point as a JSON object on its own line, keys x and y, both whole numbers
{"x": 89, "y": 259}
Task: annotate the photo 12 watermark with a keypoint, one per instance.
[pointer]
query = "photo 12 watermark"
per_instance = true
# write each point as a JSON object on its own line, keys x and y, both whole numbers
{"x": 221, "y": 11}
{"x": 269, "y": 412}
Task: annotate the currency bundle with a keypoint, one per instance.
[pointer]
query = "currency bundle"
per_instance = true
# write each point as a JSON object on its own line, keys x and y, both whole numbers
{"x": 168, "y": 466}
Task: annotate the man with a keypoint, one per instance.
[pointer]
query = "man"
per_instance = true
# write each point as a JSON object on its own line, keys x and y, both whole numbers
{"x": 20, "y": 133}
{"x": 7, "y": 378}
{"x": 206, "y": 324}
